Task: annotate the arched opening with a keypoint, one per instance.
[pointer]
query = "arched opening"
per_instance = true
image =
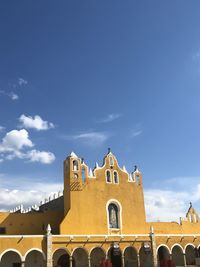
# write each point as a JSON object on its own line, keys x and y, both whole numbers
{"x": 116, "y": 179}
{"x": 97, "y": 256}
{"x": 61, "y": 258}
{"x": 115, "y": 256}
{"x": 34, "y": 259}
{"x": 80, "y": 258}
{"x": 75, "y": 165}
{"x": 130, "y": 257}
{"x": 163, "y": 255}
{"x": 10, "y": 259}
{"x": 113, "y": 213}
{"x": 177, "y": 256}
{"x": 190, "y": 255}
{"x": 108, "y": 177}
{"x": 145, "y": 257}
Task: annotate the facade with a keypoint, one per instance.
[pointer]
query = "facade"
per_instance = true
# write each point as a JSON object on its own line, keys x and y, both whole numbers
{"x": 98, "y": 220}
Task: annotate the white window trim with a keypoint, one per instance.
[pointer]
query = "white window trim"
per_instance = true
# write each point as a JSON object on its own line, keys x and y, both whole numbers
{"x": 114, "y": 177}
{"x": 118, "y": 204}
{"x": 111, "y": 179}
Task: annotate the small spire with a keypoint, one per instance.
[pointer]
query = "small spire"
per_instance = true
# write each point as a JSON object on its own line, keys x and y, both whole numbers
{"x": 82, "y": 160}
{"x": 48, "y": 229}
{"x": 124, "y": 168}
{"x": 90, "y": 173}
{"x": 109, "y": 150}
{"x": 190, "y": 204}
{"x": 96, "y": 165}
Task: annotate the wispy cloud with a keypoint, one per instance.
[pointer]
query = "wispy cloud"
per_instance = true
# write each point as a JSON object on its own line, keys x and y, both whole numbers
{"x": 137, "y": 130}
{"x": 16, "y": 144}
{"x": 22, "y": 82}
{"x": 135, "y": 133}
{"x": 11, "y": 95}
{"x": 90, "y": 138}
{"x": 109, "y": 118}
{"x": 35, "y": 122}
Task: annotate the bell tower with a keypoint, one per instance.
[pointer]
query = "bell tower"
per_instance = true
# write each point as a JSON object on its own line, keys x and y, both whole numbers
{"x": 75, "y": 177}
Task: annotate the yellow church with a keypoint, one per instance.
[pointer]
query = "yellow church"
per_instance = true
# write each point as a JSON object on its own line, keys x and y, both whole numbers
{"x": 98, "y": 220}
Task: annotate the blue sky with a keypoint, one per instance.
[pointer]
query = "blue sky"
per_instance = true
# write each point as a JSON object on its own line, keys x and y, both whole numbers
{"x": 88, "y": 75}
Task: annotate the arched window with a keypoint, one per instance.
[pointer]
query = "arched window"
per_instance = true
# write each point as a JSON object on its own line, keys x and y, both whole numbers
{"x": 75, "y": 165}
{"x": 108, "y": 177}
{"x": 113, "y": 213}
{"x": 116, "y": 179}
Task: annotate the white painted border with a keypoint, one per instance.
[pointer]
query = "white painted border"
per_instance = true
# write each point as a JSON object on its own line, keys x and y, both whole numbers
{"x": 110, "y": 176}
{"x": 163, "y": 245}
{"x": 62, "y": 248}
{"x": 116, "y": 202}
{"x": 35, "y": 249}
{"x": 80, "y": 247}
{"x": 114, "y": 177}
{"x": 11, "y": 250}
{"x": 104, "y": 251}
{"x": 188, "y": 244}
{"x": 177, "y": 245}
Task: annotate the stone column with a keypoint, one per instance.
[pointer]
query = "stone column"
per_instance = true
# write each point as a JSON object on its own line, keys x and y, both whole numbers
{"x": 49, "y": 246}
{"x": 89, "y": 262}
{"x": 153, "y": 247}
{"x": 184, "y": 259}
{"x": 23, "y": 264}
{"x": 138, "y": 259}
{"x": 70, "y": 261}
{"x": 170, "y": 256}
{"x": 123, "y": 261}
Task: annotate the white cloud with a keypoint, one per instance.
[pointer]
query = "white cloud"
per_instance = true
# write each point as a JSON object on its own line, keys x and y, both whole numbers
{"x": 45, "y": 157}
{"x": 15, "y": 140}
{"x": 170, "y": 204}
{"x": 22, "y": 82}
{"x": 91, "y": 138}
{"x": 15, "y": 145}
{"x": 35, "y": 122}
{"x": 109, "y": 118}
{"x": 165, "y": 205}
{"x": 10, "y": 198}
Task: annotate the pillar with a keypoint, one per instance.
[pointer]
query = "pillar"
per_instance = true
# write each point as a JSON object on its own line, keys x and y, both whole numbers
{"x": 153, "y": 247}
{"x": 123, "y": 261}
{"x": 138, "y": 259}
{"x": 49, "y": 246}
{"x": 89, "y": 262}
{"x": 184, "y": 259}
{"x": 70, "y": 261}
{"x": 23, "y": 264}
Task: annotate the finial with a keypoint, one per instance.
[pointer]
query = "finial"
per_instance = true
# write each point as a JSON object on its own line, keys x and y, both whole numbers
{"x": 135, "y": 168}
{"x": 82, "y": 160}
{"x": 48, "y": 229}
{"x": 190, "y": 204}
{"x": 109, "y": 150}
